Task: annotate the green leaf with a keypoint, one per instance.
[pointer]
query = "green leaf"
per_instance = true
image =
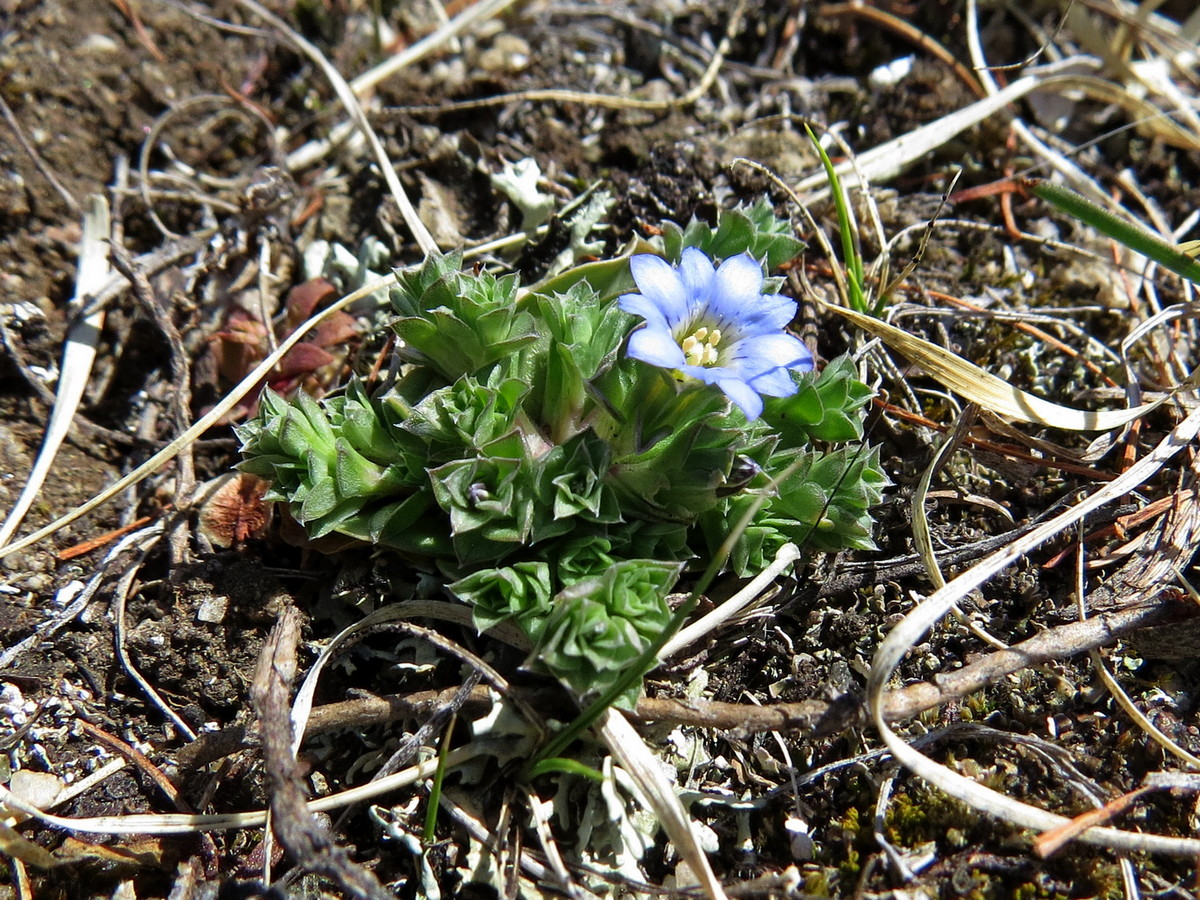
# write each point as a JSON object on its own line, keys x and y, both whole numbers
{"x": 826, "y": 407}
{"x": 412, "y": 285}
{"x": 1134, "y": 236}
{"x": 599, "y": 626}
{"x": 848, "y": 228}
{"x": 753, "y": 229}
{"x": 674, "y": 458}
{"x": 490, "y": 501}
{"x": 464, "y": 416}
{"x": 579, "y": 556}
{"x": 338, "y": 465}
{"x": 457, "y": 323}
{"x": 825, "y": 503}
{"x": 520, "y": 592}
{"x": 571, "y": 481}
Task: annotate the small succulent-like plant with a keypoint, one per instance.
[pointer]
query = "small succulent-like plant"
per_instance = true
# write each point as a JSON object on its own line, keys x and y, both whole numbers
{"x": 562, "y": 454}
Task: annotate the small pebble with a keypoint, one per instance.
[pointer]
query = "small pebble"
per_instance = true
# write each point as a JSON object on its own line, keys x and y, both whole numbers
{"x": 213, "y": 610}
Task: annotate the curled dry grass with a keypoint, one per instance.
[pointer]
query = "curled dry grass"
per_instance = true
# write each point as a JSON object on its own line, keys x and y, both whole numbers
{"x": 1136, "y": 42}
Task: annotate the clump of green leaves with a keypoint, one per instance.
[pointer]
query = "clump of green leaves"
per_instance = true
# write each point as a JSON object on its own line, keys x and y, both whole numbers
{"x": 558, "y": 484}
{"x": 747, "y": 228}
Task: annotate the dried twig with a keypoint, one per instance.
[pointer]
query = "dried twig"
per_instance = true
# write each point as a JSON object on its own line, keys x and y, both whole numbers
{"x": 120, "y": 593}
{"x": 604, "y": 101}
{"x": 420, "y": 233}
{"x": 181, "y": 378}
{"x": 813, "y": 718}
{"x": 42, "y": 167}
{"x": 79, "y": 354}
{"x": 918, "y": 622}
{"x": 310, "y": 844}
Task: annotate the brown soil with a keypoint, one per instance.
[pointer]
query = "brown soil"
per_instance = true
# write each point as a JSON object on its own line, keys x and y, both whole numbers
{"x": 87, "y": 82}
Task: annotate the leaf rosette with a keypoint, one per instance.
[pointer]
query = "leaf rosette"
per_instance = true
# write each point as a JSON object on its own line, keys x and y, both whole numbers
{"x": 520, "y": 593}
{"x": 560, "y": 453}
{"x": 600, "y": 625}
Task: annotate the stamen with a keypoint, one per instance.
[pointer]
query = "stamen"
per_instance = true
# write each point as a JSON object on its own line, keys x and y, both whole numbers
{"x": 700, "y": 347}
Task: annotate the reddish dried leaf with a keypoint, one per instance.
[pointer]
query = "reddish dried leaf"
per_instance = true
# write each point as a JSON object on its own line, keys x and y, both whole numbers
{"x": 234, "y": 511}
{"x": 302, "y": 359}
{"x": 304, "y": 299}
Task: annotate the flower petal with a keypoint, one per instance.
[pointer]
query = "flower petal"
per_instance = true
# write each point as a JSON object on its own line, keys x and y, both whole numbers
{"x": 737, "y": 287}
{"x": 662, "y": 286}
{"x": 656, "y": 346}
{"x": 707, "y": 374}
{"x": 767, "y": 312}
{"x": 755, "y": 357}
{"x": 762, "y": 352}
{"x": 746, "y": 397}
{"x": 773, "y": 383}
{"x": 696, "y": 272}
{"x": 641, "y": 305}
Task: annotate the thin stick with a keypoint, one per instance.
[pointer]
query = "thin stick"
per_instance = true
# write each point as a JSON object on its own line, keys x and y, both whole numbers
{"x": 787, "y": 555}
{"x": 604, "y": 101}
{"x": 120, "y": 593}
{"x": 346, "y": 95}
{"x": 917, "y": 623}
{"x": 42, "y": 167}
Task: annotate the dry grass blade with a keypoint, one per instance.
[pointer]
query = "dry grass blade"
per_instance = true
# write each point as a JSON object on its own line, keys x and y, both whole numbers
{"x": 20, "y": 849}
{"x": 1137, "y": 76}
{"x": 628, "y": 748}
{"x": 1118, "y": 693}
{"x": 48, "y": 173}
{"x": 922, "y": 536}
{"x": 120, "y": 595}
{"x": 78, "y": 356}
{"x": 993, "y": 394}
{"x": 607, "y": 101}
{"x": 1126, "y": 703}
{"x": 786, "y": 555}
{"x": 169, "y": 452}
{"x": 917, "y": 623}
{"x": 474, "y": 14}
{"x": 888, "y": 160}
{"x": 1056, "y": 161}
{"x": 178, "y": 823}
{"x": 423, "y": 238}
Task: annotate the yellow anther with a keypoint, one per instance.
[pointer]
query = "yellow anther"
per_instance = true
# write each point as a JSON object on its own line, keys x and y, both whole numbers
{"x": 700, "y": 347}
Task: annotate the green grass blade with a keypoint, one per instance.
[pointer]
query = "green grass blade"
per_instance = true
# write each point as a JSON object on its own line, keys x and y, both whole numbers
{"x": 565, "y": 765}
{"x": 1133, "y": 236}
{"x": 435, "y": 788}
{"x": 855, "y": 276}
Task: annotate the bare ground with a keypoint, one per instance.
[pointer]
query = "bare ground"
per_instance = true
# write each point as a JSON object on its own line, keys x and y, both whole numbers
{"x": 87, "y": 83}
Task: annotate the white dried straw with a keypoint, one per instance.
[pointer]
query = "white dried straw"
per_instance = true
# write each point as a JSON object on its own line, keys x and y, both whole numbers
{"x": 912, "y": 629}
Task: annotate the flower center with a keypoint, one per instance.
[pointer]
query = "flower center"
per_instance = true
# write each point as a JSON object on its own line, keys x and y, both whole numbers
{"x": 700, "y": 347}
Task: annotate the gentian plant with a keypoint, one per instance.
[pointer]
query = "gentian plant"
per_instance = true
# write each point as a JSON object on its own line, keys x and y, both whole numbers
{"x": 562, "y": 454}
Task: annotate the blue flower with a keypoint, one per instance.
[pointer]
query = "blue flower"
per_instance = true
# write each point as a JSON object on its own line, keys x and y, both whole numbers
{"x": 716, "y": 326}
